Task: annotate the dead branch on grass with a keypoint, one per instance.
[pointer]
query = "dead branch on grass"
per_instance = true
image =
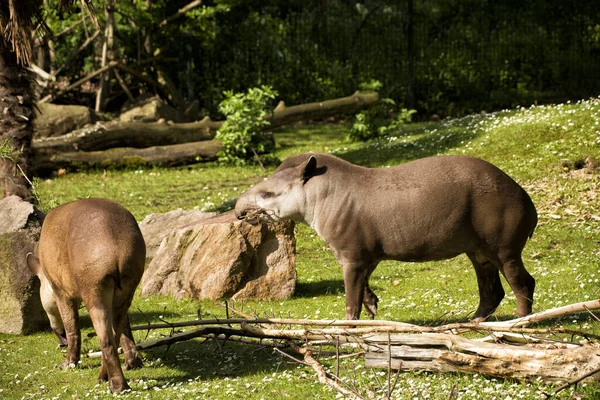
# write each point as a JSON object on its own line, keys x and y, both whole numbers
{"x": 510, "y": 351}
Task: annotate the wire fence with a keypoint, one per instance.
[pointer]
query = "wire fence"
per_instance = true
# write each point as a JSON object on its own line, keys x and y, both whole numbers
{"x": 467, "y": 55}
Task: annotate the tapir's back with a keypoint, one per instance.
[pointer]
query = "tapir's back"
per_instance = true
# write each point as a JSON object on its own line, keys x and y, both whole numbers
{"x": 449, "y": 205}
{"x": 88, "y": 240}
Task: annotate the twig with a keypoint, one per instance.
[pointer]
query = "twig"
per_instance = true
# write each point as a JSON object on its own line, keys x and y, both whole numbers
{"x": 571, "y": 383}
{"x": 257, "y": 158}
{"x": 283, "y": 353}
{"x": 591, "y": 313}
{"x": 389, "y": 372}
{"x": 321, "y": 373}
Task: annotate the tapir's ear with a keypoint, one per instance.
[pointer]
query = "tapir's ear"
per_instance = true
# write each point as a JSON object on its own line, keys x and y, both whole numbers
{"x": 309, "y": 168}
{"x": 34, "y": 264}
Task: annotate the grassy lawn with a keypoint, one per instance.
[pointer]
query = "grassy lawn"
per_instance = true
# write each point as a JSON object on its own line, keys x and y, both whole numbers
{"x": 542, "y": 148}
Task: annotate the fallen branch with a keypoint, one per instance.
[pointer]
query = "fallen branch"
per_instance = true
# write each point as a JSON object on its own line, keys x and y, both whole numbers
{"x": 548, "y": 314}
{"x": 126, "y": 134}
{"x": 360, "y": 327}
{"x": 322, "y": 375}
{"x": 177, "y": 154}
{"x": 407, "y": 347}
{"x": 436, "y": 352}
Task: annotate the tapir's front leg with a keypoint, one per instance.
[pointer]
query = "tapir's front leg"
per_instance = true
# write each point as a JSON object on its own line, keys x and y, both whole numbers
{"x": 356, "y": 274}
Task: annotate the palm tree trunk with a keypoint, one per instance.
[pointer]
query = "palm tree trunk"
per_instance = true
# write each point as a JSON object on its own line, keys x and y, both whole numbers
{"x": 16, "y": 114}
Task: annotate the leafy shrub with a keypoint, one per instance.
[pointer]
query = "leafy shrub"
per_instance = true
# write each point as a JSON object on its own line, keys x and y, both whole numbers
{"x": 242, "y": 134}
{"x": 402, "y": 118}
{"x": 375, "y": 121}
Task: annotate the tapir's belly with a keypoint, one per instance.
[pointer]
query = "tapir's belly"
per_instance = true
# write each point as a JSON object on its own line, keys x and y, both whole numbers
{"x": 407, "y": 227}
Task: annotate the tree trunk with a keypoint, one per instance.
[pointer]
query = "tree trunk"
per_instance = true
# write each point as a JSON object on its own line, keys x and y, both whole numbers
{"x": 127, "y": 134}
{"x": 168, "y": 156}
{"x": 441, "y": 352}
{"x": 16, "y": 103}
{"x": 410, "y": 37}
{"x": 108, "y": 55}
{"x": 139, "y": 135}
{"x": 283, "y": 115}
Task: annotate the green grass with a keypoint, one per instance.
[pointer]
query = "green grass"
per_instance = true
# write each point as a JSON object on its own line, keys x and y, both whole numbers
{"x": 537, "y": 146}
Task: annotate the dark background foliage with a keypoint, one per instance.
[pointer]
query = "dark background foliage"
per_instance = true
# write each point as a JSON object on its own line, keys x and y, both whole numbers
{"x": 467, "y": 55}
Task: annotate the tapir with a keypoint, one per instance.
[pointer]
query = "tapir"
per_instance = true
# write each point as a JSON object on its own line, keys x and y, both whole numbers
{"x": 430, "y": 209}
{"x": 91, "y": 250}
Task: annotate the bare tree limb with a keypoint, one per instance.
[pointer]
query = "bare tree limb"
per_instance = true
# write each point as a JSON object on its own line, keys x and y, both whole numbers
{"x": 548, "y": 314}
{"x": 322, "y": 375}
{"x": 69, "y": 28}
{"x": 124, "y": 86}
{"x": 80, "y": 82}
{"x": 180, "y": 13}
{"x": 75, "y": 53}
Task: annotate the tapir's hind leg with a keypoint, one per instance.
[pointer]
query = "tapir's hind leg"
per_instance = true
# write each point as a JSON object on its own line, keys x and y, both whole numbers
{"x": 491, "y": 292}
{"x": 100, "y": 307}
{"x": 370, "y": 299}
{"x": 69, "y": 314}
{"x": 133, "y": 358}
{"x": 520, "y": 281}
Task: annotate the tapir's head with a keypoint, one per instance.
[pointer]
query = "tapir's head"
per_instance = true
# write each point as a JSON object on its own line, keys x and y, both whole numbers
{"x": 48, "y": 300}
{"x": 282, "y": 195}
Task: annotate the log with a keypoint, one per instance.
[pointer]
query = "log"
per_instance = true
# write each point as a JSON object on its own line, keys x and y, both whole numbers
{"x": 139, "y": 135}
{"x": 178, "y": 154}
{"x": 283, "y": 115}
{"x": 438, "y": 352}
{"x": 127, "y": 134}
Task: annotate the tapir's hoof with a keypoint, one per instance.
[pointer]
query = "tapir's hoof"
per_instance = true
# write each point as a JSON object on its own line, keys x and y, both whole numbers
{"x": 68, "y": 365}
{"x": 102, "y": 375}
{"x": 478, "y": 320}
{"x": 118, "y": 386}
{"x": 134, "y": 363}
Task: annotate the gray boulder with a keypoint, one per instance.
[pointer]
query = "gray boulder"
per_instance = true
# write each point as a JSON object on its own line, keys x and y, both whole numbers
{"x": 216, "y": 257}
{"x": 56, "y": 119}
{"x": 20, "y": 226}
{"x": 151, "y": 110}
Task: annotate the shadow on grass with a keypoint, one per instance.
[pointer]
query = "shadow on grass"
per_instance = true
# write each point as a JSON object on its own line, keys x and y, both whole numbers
{"x": 319, "y": 288}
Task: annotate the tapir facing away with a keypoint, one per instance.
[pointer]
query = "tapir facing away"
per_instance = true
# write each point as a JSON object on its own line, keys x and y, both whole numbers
{"x": 92, "y": 250}
{"x": 430, "y": 209}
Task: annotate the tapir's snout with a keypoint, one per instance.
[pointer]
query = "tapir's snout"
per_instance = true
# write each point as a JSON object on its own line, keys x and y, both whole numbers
{"x": 242, "y": 214}
{"x": 245, "y": 209}
{"x": 248, "y": 216}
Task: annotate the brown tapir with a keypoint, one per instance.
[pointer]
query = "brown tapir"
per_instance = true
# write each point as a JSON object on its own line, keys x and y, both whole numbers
{"x": 429, "y": 209}
{"x": 92, "y": 250}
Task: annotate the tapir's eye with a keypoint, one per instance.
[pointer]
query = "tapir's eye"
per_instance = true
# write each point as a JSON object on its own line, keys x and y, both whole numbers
{"x": 267, "y": 195}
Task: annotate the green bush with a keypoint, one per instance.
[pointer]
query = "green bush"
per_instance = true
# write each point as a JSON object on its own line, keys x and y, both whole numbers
{"x": 377, "y": 121}
{"x": 242, "y": 134}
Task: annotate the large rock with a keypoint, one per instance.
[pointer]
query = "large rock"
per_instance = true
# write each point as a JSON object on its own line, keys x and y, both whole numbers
{"x": 218, "y": 257}
{"x": 155, "y": 227}
{"x": 151, "y": 110}
{"x": 56, "y": 120}
{"x": 20, "y": 226}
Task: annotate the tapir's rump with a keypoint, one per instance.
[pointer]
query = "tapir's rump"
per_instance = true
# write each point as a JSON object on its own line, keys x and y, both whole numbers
{"x": 429, "y": 209}
{"x": 92, "y": 251}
